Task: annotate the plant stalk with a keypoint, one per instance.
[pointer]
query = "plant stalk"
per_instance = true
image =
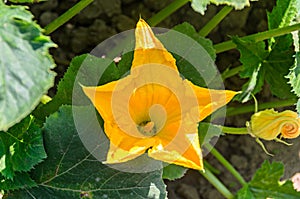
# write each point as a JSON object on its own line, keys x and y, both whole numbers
{"x": 66, "y": 16}
{"x": 217, "y": 183}
{"x": 228, "y": 45}
{"x": 231, "y": 111}
{"x": 226, "y": 164}
{"x": 215, "y": 21}
{"x": 167, "y": 11}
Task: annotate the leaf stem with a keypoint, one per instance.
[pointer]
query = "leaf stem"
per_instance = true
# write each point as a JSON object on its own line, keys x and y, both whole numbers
{"x": 66, "y": 16}
{"x": 228, "y": 45}
{"x": 167, "y": 11}
{"x": 215, "y": 21}
{"x": 226, "y": 164}
{"x": 216, "y": 183}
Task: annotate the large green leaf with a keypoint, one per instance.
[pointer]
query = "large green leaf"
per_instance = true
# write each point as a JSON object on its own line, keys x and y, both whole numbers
{"x": 260, "y": 64}
{"x": 70, "y": 171}
{"x": 91, "y": 71}
{"x": 24, "y": 64}
{"x": 201, "y": 5}
{"x": 271, "y": 65}
{"x": 21, "y": 148}
{"x": 266, "y": 184}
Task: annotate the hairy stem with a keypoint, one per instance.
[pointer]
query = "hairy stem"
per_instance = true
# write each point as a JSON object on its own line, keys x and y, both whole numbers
{"x": 66, "y": 16}
{"x": 215, "y": 21}
{"x": 167, "y": 11}
{"x": 228, "y": 45}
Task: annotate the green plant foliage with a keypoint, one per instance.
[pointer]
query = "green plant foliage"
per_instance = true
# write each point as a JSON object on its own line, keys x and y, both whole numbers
{"x": 70, "y": 171}
{"x": 260, "y": 65}
{"x": 173, "y": 172}
{"x": 273, "y": 64}
{"x": 24, "y": 64}
{"x": 189, "y": 52}
{"x": 21, "y": 148}
{"x": 294, "y": 75}
{"x": 282, "y": 14}
{"x": 68, "y": 84}
{"x": 207, "y": 131}
{"x": 266, "y": 184}
{"x": 201, "y": 5}
{"x": 20, "y": 181}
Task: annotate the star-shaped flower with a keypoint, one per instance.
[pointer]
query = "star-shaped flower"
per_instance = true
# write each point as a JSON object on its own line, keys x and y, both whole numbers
{"x": 153, "y": 109}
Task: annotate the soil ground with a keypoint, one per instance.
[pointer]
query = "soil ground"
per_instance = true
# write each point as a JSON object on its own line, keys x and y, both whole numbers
{"x": 108, "y": 17}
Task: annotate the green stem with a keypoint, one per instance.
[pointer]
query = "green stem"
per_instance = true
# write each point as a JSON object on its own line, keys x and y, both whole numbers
{"x": 231, "y": 72}
{"x": 215, "y": 21}
{"x": 217, "y": 183}
{"x": 226, "y": 164}
{"x": 211, "y": 168}
{"x": 66, "y": 16}
{"x": 221, "y": 47}
{"x": 234, "y": 131}
{"x": 249, "y": 108}
{"x": 167, "y": 11}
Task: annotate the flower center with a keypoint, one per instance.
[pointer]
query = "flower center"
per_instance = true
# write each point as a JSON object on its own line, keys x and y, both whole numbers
{"x": 147, "y": 128}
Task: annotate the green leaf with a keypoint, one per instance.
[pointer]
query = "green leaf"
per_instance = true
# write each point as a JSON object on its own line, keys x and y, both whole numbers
{"x": 298, "y": 107}
{"x": 70, "y": 171}
{"x": 21, "y": 148}
{"x": 282, "y": 14}
{"x": 272, "y": 65}
{"x": 207, "y": 131}
{"x": 294, "y": 75}
{"x": 260, "y": 65}
{"x": 173, "y": 172}
{"x": 189, "y": 30}
{"x": 20, "y": 181}
{"x": 201, "y": 5}
{"x": 190, "y": 47}
{"x": 266, "y": 184}
{"x": 85, "y": 69}
{"x": 25, "y": 64}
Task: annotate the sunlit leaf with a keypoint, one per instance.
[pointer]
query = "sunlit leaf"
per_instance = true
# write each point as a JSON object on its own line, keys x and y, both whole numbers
{"x": 201, "y": 5}
{"x": 25, "y": 64}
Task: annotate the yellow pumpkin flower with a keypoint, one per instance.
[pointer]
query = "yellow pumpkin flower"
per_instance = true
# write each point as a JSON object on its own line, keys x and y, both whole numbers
{"x": 268, "y": 124}
{"x": 153, "y": 109}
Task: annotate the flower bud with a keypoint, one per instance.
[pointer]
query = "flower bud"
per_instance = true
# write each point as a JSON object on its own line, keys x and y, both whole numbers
{"x": 268, "y": 124}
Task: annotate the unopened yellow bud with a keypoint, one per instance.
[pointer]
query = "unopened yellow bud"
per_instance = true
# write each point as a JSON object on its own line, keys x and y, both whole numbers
{"x": 268, "y": 124}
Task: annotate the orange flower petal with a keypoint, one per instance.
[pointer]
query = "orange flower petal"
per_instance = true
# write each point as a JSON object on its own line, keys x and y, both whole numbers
{"x": 148, "y": 49}
{"x": 184, "y": 152}
{"x": 101, "y": 97}
{"x": 210, "y": 100}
